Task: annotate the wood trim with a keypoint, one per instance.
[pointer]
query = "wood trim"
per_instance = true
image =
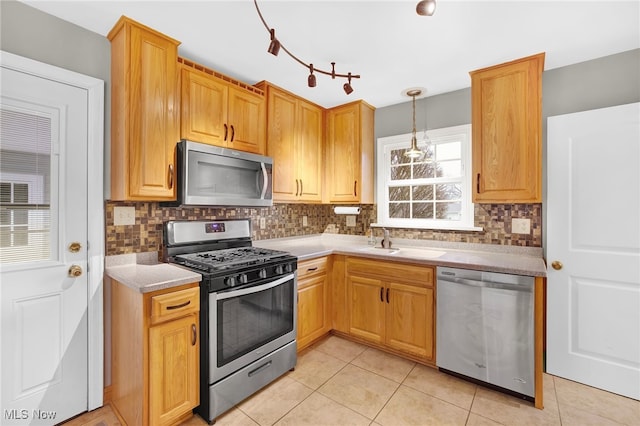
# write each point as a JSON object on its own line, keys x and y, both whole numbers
{"x": 106, "y": 394}
{"x": 190, "y": 64}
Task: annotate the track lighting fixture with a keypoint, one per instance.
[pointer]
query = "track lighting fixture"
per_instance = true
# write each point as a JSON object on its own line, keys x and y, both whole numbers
{"x": 311, "y": 81}
{"x": 426, "y": 7}
{"x": 274, "y": 46}
{"x": 274, "y": 49}
{"x": 413, "y": 151}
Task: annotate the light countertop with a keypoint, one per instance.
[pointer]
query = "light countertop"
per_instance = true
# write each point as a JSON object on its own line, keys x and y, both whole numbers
{"x": 493, "y": 258}
{"x": 143, "y": 272}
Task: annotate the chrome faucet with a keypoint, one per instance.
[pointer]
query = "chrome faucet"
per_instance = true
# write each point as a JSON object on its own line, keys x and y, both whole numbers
{"x": 386, "y": 241}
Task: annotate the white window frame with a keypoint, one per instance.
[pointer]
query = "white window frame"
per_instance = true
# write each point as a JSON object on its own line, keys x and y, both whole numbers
{"x": 384, "y": 146}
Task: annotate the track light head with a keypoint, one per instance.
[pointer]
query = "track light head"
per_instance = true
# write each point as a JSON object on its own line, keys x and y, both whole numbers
{"x": 274, "y": 46}
{"x": 311, "y": 81}
{"x": 347, "y": 86}
{"x": 426, "y": 7}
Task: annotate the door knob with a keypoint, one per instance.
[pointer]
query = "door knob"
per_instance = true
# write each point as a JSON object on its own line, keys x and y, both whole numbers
{"x": 75, "y": 271}
{"x": 556, "y": 264}
{"x": 75, "y": 247}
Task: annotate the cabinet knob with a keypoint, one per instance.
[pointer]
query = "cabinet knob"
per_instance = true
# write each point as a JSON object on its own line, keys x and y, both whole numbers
{"x": 557, "y": 265}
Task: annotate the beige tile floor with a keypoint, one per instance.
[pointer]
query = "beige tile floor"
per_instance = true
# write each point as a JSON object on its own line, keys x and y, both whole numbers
{"x": 338, "y": 382}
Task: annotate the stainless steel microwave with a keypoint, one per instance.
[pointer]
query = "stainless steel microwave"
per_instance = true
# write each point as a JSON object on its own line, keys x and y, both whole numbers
{"x": 208, "y": 175}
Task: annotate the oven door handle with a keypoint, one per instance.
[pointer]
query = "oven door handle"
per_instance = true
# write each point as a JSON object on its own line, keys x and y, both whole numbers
{"x": 248, "y": 290}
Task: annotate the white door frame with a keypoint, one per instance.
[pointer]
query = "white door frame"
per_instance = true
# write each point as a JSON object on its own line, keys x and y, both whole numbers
{"x": 95, "y": 207}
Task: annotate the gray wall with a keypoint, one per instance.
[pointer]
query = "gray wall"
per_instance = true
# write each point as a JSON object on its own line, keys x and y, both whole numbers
{"x": 31, "y": 33}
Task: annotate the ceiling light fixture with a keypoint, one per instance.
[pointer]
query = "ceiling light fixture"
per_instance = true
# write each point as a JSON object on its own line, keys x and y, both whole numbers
{"x": 414, "y": 151}
{"x": 426, "y": 7}
{"x": 274, "y": 48}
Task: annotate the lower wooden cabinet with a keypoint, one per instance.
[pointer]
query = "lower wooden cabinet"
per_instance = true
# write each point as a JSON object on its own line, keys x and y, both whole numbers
{"x": 155, "y": 354}
{"x": 314, "y": 320}
{"x": 392, "y": 304}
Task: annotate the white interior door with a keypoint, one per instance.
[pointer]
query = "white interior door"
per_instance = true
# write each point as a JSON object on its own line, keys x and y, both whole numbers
{"x": 43, "y": 246}
{"x": 593, "y": 229}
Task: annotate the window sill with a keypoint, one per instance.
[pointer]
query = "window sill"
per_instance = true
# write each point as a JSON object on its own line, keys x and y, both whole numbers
{"x": 432, "y": 228}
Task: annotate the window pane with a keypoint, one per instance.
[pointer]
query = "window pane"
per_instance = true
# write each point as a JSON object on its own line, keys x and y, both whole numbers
{"x": 449, "y": 168}
{"x": 400, "y": 172}
{"x": 423, "y": 192}
{"x": 448, "y": 191}
{"x": 399, "y": 193}
{"x": 448, "y": 211}
{"x": 398, "y": 157}
{"x": 21, "y": 193}
{"x": 423, "y": 210}
{"x": 449, "y": 151}
{"x": 423, "y": 170}
{"x": 25, "y": 171}
{"x": 399, "y": 210}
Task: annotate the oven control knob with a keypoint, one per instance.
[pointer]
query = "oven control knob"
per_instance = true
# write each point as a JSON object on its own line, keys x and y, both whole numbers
{"x": 230, "y": 281}
{"x": 279, "y": 270}
{"x": 262, "y": 273}
{"x": 243, "y": 278}
{"x": 288, "y": 268}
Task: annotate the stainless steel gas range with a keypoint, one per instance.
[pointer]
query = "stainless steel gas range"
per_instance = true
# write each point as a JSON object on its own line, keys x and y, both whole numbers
{"x": 248, "y": 308}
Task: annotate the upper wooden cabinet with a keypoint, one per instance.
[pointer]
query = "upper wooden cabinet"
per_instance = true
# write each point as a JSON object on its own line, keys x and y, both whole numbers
{"x": 295, "y": 142}
{"x": 349, "y": 160}
{"x": 144, "y": 112}
{"x": 506, "y": 103}
{"x": 219, "y": 111}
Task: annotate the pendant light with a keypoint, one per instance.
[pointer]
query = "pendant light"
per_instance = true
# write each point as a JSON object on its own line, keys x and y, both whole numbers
{"x": 413, "y": 151}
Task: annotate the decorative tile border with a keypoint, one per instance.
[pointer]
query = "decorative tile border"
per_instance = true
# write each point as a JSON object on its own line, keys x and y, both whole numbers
{"x": 285, "y": 220}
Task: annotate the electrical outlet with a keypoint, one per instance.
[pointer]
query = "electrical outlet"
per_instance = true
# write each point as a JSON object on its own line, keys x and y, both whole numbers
{"x": 351, "y": 221}
{"x": 520, "y": 226}
{"x": 124, "y": 216}
{"x": 263, "y": 223}
{"x": 305, "y": 221}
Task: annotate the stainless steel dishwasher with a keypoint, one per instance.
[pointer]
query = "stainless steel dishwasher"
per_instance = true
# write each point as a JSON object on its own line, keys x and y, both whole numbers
{"x": 485, "y": 328}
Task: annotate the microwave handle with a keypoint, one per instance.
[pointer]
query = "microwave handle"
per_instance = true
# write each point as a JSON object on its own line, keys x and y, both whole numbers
{"x": 265, "y": 181}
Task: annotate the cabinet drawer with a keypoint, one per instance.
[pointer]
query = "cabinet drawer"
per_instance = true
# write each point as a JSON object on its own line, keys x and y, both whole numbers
{"x": 312, "y": 266}
{"x": 393, "y": 271}
{"x": 176, "y": 304}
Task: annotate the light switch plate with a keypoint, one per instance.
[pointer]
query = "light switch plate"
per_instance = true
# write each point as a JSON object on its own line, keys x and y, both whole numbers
{"x": 263, "y": 223}
{"x": 520, "y": 226}
{"x": 351, "y": 221}
{"x": 124, "y": 216}
{"x": 305, "y": 221}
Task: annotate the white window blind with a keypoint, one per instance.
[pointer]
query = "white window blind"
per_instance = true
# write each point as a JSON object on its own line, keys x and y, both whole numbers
{"x": 25, "y": 186}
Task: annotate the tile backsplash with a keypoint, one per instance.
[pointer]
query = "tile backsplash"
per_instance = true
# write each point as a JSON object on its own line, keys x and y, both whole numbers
{"x": 286, "y": 220}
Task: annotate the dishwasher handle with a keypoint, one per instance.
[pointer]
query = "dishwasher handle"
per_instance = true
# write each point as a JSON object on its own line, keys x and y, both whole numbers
{"x": 526, "y": 288}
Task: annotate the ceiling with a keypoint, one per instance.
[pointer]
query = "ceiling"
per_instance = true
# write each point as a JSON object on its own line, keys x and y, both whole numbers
{"x": 385, "y": 42}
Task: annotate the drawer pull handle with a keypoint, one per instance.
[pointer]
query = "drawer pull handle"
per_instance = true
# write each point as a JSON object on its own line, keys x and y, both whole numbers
{"x": 182, "y": 305}
{"x": 261, "y": 368}
{"x": 315, "y": 268}
{"x": 194, "y": 335}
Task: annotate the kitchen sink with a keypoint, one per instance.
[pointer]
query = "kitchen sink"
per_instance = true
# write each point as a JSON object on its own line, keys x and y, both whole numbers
{"x": 411, "y": 252}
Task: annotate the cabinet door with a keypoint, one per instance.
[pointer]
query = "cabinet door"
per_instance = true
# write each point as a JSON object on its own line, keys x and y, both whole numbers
{"x": 153, "y": 116}
{"x": 173, "y": 369}
{"x": 343, "y": 153}
{"x": 313, "y": 309}
{"x": 204, "y": 108}
{"x": 246, "y": 121}
{"x": 281, "y": 147}
{"x": 309, "y": 151}
{"x": 507, "y": 126}
{"x": 366, "y": 308}
{"x": 409, "y": 321}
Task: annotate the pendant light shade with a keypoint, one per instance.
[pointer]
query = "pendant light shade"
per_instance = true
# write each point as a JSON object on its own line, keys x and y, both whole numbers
{"x": 414, "y": 151}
